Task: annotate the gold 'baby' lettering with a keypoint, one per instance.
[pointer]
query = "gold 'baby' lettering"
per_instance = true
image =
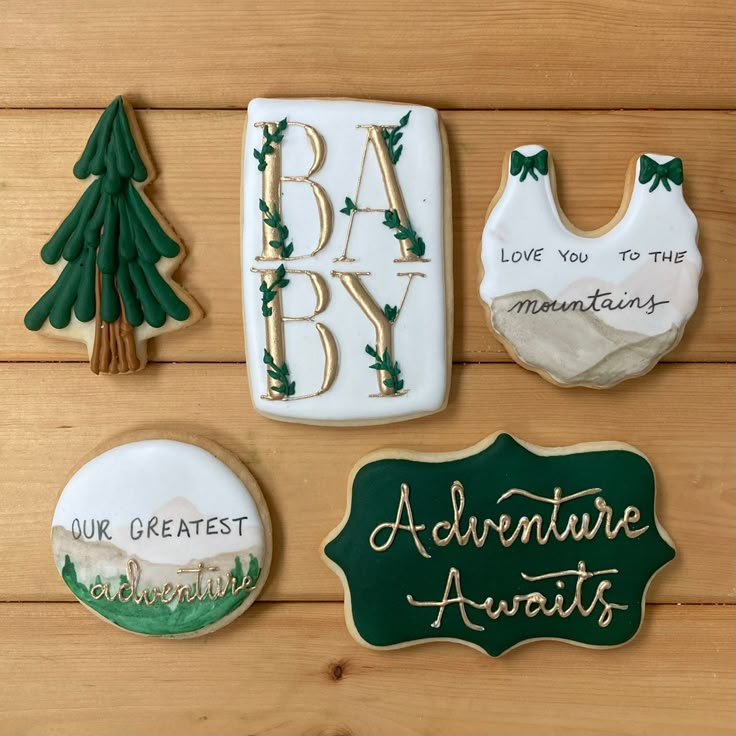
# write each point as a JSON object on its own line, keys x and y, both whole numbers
{"x": 271, "y": 190}
{"x": 376, "y": 142}
{"x": 378, "y": 318}
{"x": 275, "y": 337}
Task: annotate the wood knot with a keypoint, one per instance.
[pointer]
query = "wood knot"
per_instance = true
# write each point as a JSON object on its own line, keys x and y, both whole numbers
{"x": 337, "y": 669}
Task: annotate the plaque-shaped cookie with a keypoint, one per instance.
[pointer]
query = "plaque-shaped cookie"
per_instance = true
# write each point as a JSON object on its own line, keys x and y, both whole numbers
{"x": 499, "y": 544}
{"x": 346, "y": 261}
{"x": 163, "y": 535}
{"x": 590, "y": 308}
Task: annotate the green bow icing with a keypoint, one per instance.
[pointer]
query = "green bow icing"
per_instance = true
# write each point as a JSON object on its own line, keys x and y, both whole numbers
{"x": 670, "y": 172}
{"x": 528, "y": 164}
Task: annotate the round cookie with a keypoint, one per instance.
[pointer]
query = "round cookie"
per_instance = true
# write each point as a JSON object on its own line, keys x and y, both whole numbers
{"x": 163, "y": 534}
{"x": 589, "y": 308}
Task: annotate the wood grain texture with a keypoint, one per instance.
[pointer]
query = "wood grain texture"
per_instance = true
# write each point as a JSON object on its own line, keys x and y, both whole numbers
{"x": 509, "y": 72}
{"x": 292, "y": 668}
{"x": 680, "y": 417}
{"x": 198, "y": 156}
{"x": 463, "y": 54}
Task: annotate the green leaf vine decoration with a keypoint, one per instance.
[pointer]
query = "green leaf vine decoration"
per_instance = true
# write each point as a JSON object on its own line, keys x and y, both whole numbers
{"x": 349, "y": 207}
{"x": 404, "y": 232}
{"x": 279, "y": 373}
{"x": 272, "y": 218}
{"x": 268, "y": 140}
{"x": 385, "y": 363}
{"x": 393, "y": 136}
{"x": 391, "y": 312}
{"x": 268, "y": 291}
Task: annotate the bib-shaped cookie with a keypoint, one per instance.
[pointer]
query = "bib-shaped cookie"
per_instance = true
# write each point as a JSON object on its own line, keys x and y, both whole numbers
{"x": 346, "y": 259}
{"x": 590, "y": 309}
{"x": 499, "y": 544}
{"x": 163, "y": 535}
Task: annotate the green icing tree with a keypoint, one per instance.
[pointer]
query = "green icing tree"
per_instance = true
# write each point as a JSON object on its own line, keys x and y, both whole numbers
{"x": 108, "y": 252}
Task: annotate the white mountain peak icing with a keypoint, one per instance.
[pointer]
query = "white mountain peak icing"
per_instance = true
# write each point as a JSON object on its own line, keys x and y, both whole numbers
{"x": 171, "y": 536}
{"x": 639, "y": 277}
{"x": 109, "y": 562}
{"x": 661, "y": 314}
{"x": 577, "y": 348}
{"x": 173, "y": 502}
{"x": 179, "y": 507}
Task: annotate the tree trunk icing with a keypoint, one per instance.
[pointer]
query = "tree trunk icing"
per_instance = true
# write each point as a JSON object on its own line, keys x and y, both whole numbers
{"x": 114, "y": 349}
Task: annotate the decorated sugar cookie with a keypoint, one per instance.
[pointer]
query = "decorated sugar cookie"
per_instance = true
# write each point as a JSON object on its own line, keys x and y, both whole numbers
{"x": 346, "y": 258}
{"x": 163, "y": 535}
{"x": 498, "y": 545}
{"x": 590, "y": 309}
{"x": 113, "y": 256}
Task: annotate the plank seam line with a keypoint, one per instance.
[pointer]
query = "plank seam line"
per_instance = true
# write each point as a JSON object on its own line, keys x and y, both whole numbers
{"x": 441, "y": 110}
{"x": 82, "y": 361}
{"x": 340, "y": 602}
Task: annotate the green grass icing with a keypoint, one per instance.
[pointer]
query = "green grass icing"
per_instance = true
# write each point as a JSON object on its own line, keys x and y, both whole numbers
{"x": 162, "y": 619}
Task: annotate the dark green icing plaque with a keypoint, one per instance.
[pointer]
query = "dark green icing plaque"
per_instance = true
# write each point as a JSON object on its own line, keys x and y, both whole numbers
{"x": 499, "y": 544}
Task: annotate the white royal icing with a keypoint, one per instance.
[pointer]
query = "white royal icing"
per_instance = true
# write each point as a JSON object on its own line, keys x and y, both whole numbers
{"x": 421, "y": 334}
{"x": 163, "y": 503}
{"x": 650, "y": 254}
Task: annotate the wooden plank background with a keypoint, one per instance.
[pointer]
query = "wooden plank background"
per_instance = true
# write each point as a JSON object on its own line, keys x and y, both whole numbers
{"x": 597, "y": 82}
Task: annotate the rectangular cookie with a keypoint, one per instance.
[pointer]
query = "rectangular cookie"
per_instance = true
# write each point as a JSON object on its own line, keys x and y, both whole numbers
{"x": 346, "y": 261}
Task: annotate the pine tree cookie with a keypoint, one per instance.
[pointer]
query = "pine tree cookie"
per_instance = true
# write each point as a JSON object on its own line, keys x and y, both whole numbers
{"x": 590, "y": 308}
{"x": 163, "y": 535}
{"x": 499, "y": 544}
{"x": 113, "y": 256}
{"x": 346, "y": 258}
